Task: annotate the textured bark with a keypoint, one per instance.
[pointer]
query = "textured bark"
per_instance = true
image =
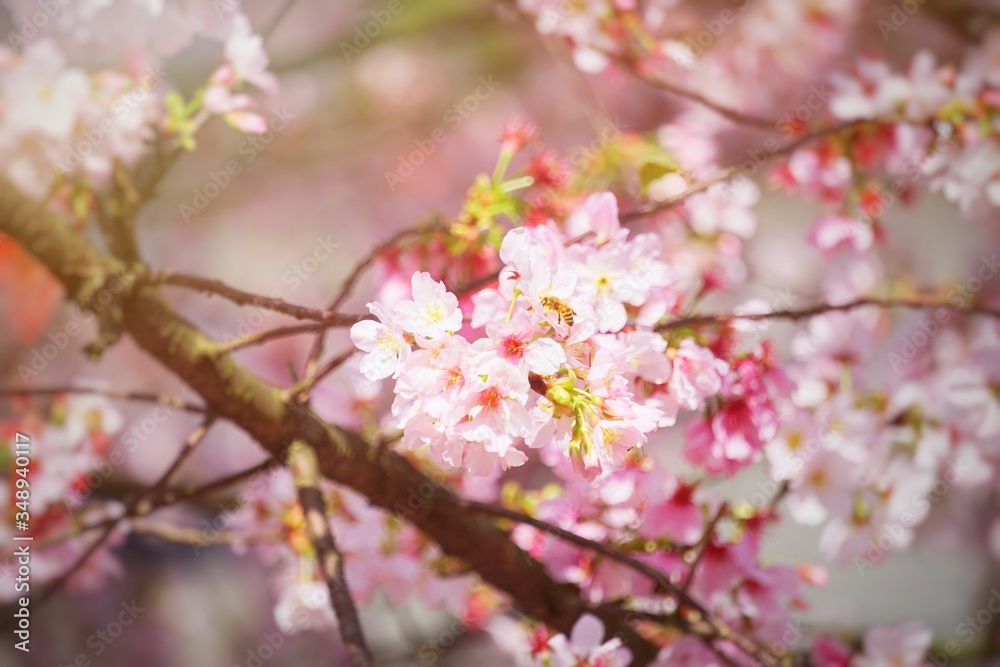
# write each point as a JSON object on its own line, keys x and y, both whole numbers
{"x": 232, "y": 392}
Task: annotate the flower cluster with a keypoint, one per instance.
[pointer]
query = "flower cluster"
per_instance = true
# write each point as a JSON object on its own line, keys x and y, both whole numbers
{"x": 381, "y": 554}
{"x": 62, "y": 125}
{"x": 78, "y": 432}
{"x": 870, "y": 459}
{"x": 59, "y": 121}
{"x": 934, "y": 123}
{"x": 555, "y": 366}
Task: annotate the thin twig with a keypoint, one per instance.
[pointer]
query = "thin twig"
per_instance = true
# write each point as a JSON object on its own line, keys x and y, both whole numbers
{"x": 726, "y": 173}
{"x": 656, "y": 80}
{"x": 312, "y": 361}
{"x": 631, "y": 64}
{"x": 305, "y": 385}
{"x": 195, "y": 537}
{"x": 165, "y": 498}
{"x": 150, "y": 397}
{"x": 812, "y": 311}
{"x": 77, "y": 564}
{"x": 190, "y": 443}
{"x": 267, "y": 336}
{"x": 266, "y": 33}
{"x": 702, "y": 546}
{"x": 304, "y": 465}
{"x": 172, "y": 497}
{"x": 244, "y": 298}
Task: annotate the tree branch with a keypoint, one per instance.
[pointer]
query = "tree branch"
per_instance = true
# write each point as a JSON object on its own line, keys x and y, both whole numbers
{"x": 268, "y": 335}
{"x": 305, "y": 468}
{"x": 695, "y": 617}
{"x": 388, "y": 480}
{"x": 243, "y": 298}
{"x": 805, "y": 313}
{"x": 656, "y": 80}
{"x": 350, "y": 282}
{"x": 192, "y": 441}
{"x": 163, "y": 399}
{"x": 728, "y": 172}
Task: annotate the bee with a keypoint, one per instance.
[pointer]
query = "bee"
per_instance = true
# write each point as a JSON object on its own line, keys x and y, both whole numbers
{"x": 562, "y": 310}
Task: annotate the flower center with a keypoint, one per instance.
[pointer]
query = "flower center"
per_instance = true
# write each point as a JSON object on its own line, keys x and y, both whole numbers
{"x": 513, "y": 346}
{"x": 434, "y": 313}
{"x": 454, "y": 377}
{"x": 490, "y": 398}
{"x": 612, "y": 436}
{"x": 794, "y": 441}
{"x": 386, "y": 340}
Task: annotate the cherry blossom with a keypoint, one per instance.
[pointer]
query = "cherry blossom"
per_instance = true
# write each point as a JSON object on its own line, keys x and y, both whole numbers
{"x": 432, "y": 313}
{"x": 383, "y": 341}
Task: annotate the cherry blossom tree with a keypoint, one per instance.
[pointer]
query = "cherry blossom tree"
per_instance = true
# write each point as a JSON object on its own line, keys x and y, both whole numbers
{"x": 547, "y": 390}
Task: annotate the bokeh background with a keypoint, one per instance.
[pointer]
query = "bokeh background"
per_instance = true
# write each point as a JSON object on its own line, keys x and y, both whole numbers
{"x": 355, "y": 110}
